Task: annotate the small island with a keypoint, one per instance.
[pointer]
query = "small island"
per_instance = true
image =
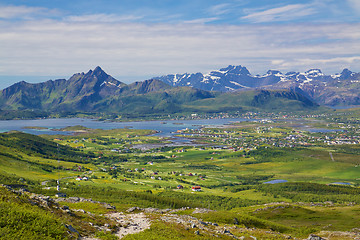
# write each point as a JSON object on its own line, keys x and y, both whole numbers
{"x": 35, "y": 128}
{"x": 76, "y": 128}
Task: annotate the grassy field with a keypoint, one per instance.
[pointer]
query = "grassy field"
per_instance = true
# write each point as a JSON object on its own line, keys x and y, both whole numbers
{"x": 231, "y": 168}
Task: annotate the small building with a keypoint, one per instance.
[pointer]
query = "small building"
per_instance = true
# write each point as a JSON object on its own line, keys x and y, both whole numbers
{"x": 196, "y": 188}
{"x": 180, "y": 187}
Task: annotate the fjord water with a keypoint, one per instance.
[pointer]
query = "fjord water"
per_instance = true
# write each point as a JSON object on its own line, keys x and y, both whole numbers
{"x": 165, "y": 128}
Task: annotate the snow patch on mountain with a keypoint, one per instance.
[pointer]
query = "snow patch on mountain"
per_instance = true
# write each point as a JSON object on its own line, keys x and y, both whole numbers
{"x": 238, "y": 84}
{"x": 314, "y": 73}
{"x": 109, "y": 83}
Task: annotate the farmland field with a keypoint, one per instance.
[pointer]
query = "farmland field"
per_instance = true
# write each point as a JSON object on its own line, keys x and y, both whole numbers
{"x": 230, "y": 163}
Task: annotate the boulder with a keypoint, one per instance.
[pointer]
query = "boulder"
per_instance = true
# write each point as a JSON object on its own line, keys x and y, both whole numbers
{"x": 315, "y": 237}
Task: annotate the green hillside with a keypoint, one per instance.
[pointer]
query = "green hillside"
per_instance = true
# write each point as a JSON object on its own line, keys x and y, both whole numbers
{"x": 265, "y": 100}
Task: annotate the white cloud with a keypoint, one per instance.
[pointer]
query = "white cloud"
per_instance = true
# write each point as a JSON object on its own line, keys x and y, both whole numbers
{"x": 304, "y": 63}
{"x": 355, "y": 4}
{"x": 103, "y": 18}
{"x": 202, "y": 20}
{"x": 50, "y": 47}
{"x": 219, "y": 9}
{"x": 24, "y": 12}
{"x": 285, "y": 13}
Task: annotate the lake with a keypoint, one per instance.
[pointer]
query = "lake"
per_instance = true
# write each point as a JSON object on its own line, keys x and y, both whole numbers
{"x": 276, "y": 181}
{"x": 165, "y": 128}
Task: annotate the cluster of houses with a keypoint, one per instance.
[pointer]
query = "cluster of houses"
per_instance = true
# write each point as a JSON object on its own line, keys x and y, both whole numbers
{"x": 153, "y": 177}
{"x": 78, "y": 178}
{"x": 193, "y": 188}
{"x": 292, "y": 139}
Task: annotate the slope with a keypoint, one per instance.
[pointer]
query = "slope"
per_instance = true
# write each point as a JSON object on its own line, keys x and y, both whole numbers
{"x": 265, "y": 100}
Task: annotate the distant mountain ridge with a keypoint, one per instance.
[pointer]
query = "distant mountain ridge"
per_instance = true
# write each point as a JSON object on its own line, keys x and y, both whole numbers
{"x": 96, "y": 91}
{"x": 339, "y": 89}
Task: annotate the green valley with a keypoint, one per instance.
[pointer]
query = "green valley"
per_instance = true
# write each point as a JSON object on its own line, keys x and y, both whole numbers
{"x": 223, "y": 185}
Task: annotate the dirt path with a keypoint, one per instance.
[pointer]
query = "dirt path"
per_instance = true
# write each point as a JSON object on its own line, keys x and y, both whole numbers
{"x": 130, "y": 223}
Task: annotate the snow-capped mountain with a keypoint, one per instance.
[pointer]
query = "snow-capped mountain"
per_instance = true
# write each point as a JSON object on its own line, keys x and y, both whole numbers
{"x": 238, "y": 77}
{"x": 337, "y": 89}
{"x": 226, "y": 79}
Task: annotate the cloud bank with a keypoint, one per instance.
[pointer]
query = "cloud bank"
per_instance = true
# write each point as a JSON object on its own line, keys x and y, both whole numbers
{"x": 62, "y": 46}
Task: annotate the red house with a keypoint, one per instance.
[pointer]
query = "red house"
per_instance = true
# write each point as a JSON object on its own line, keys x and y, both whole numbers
{"x": 196, "y": 188}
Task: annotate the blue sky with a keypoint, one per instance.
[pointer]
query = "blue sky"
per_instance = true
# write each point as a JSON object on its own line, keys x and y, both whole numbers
{"x": 137, "y": 39}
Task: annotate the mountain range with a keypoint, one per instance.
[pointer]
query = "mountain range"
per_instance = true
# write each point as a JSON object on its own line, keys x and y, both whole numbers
{"x": 332, "y": 90}
{"x": 96, "y": 91}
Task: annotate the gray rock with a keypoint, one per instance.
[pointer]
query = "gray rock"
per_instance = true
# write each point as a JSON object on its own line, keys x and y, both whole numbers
{"x": 132, "y": 209}
{"x": 314, "y": 237}
{"x": 108, "y": 206}
{"x": 203, "y": 223}
{"x": 72, "y": 229}
{"x": 73, "y": 199}
{"x": 65, "y": 207}
{"x": 225, "y": 231}
{"x": 202, "y": 210}
{"x": 82, "y": 210}
{"x": 152, "y": 210}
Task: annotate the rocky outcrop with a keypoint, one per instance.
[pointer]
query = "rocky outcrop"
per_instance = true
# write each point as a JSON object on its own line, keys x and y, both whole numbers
{"x": 130, "y": 223}
{"x": 315, "y": 237}
{"x": 80, "y": 199}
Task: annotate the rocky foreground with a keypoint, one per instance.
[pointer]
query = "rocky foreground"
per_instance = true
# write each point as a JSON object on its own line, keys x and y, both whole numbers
{"x": 87, "y": 225}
